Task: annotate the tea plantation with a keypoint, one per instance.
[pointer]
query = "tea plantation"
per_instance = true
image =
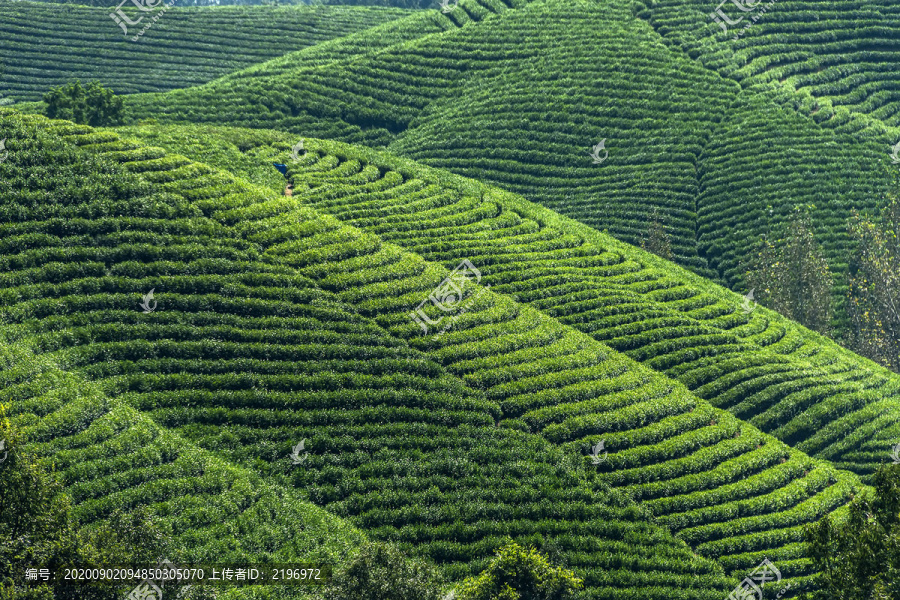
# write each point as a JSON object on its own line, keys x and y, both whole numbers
{"x": 432, "y": 325}
{"x": 278, "y": 323}
{"x": 43, "y": 45}
{"x": 245, "y": 354}
{"x": 844, "y": 54}
{"x": 519, "y": 96}
{"x": 788, "y": 381}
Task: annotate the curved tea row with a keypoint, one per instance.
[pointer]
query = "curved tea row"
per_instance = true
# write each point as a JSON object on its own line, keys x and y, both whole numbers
{"x": 45, "y": 45}
{"x": 241, "y": 354}
{"x": 732, "y": 492}
{"x": 523, "y": 97}
{"x": 782, "y": 378}
{"x": 842, "y": 53}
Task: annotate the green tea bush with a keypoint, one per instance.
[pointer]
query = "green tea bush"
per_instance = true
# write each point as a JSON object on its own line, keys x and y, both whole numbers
{"x": 520, "y": 574}
{"x": 92, "y": 105}
{"x": 380, "y": 572}
{"x": 85, "y": 43}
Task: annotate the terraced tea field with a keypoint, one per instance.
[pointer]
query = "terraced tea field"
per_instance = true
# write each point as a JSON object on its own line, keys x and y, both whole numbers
{"x": 438, "y": 298}
{"x": 44, "y": 45}
{"x": 490, "y": 98}
{"x": 266, "y": 357}
{"x": 545, "y": 382}
{"x": 767, "y": 370}
{"x": 843, "y": 54}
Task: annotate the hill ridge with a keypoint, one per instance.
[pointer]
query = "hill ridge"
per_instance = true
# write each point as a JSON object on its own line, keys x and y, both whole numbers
{"x": 529, "y": 111}
{"x": 396, "y": 462}
{"x": 675, "y": 293}
{"x": 488, "y": 329}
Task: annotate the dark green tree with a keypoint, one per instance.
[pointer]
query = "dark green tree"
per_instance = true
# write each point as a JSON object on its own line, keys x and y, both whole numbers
{"x": 36, "y": 529}
{"x": 517, "y": 573}
{"x": 858, "y": 557}
{"x": 874, "y": 286}
{"x": 657, "y": 240}
{"x": 790, "y": 275}
{"x": 93, "y": 105}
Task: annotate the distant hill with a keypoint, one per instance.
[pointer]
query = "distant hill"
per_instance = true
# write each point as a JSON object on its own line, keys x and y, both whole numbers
{"x": 520, "y": 95}
{"x": 185, "y": 47}
{"x": 838, "y": 52}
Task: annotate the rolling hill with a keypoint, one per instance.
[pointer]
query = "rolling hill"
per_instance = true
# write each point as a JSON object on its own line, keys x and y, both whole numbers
{"x": 788, "y": 381}
{"x": 231, "y": 366}
{"x": 842, "y": 54}
{"x": 449, "y": 310}
{"x": 518, "y": 93}
{"x": 245, "y": 354}
{"x": 187, "y": 47}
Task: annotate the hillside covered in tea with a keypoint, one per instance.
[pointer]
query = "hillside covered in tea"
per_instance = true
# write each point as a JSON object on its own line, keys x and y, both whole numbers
{"x": 495, "y": 289}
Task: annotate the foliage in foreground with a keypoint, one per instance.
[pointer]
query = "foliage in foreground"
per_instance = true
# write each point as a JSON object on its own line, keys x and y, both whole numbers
{"x": 38, "y": 530}
{"x": 859, "y": 557}
{"x": 35, "y": 519}
{"x": 380, "y": 572}
{"x": 518, "y": 573}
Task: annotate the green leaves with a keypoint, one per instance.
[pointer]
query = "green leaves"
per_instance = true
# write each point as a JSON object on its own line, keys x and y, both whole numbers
{"x": 84, "y": 37}
{"x": 518, "y": 573}
{"x": 857, "y": 552}
{"x": 380, "y": 572}
{"x": 93, "y": 105}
